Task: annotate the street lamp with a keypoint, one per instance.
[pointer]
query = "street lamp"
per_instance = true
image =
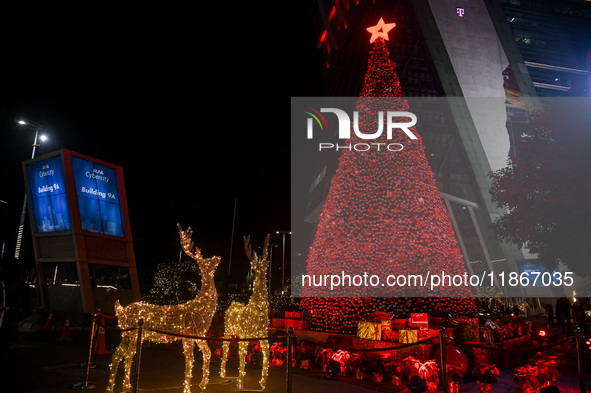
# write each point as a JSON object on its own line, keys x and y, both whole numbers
{"x": 271, "y": 246}
{"x": 36, "y": 127}
{"x": 283, "y": 262}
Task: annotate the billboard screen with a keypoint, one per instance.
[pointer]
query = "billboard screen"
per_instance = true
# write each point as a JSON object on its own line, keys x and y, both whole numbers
{"x": 98, "y": 197}
{"x": 534, "y": 274}
{"x": 48, "y": 195}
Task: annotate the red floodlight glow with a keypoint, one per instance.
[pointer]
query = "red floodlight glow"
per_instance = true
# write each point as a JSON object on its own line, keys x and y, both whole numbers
{"x": 332, "y": 12}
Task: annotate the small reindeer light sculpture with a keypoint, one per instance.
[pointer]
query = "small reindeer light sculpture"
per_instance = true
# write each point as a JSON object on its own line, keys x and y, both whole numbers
{"x": 191, "y": 318}
{"x": 251, "y": 320}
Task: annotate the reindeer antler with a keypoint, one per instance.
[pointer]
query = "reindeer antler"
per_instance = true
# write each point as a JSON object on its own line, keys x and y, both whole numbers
{"x": 187, "y": 243}
{"x": 266, "y": 247}
{"x": 248, "y": 248}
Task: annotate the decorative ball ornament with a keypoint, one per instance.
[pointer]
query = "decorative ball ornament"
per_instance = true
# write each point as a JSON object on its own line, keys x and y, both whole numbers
{"x": 453, "y": 356}
{"x": 192, "y": 318}
{"x": 250, "y": 320}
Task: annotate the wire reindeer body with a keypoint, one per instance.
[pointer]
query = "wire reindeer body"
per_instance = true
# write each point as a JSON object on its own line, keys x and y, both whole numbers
{"x": 192, "y": 318}
{"x": 250, "y": 320}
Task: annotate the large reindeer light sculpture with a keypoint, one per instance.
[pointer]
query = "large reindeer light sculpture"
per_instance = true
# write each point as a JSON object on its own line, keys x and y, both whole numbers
{"x": 251, "y": 320}
{"x": 191, "y": 318}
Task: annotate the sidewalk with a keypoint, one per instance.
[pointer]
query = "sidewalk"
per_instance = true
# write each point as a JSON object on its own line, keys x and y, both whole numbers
{"x": 38, "y": 362}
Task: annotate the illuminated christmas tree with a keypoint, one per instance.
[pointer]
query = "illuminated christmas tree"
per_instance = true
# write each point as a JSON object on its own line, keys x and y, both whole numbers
{"x": 174, "y": 283}
{"x": 383, "y": 216}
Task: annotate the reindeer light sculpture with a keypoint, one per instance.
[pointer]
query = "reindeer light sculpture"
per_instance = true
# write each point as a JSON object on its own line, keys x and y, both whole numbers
{"x": 192, "y": 318}
{"x": 251, "y": 320}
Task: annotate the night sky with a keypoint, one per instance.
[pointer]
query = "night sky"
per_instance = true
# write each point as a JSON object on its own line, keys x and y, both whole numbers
{"x": 173, "y": 102}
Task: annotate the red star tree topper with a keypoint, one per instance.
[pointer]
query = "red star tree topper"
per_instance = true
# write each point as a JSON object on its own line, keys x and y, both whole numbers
{"x": 383, "y": 215}
{"x": 380, "y": 30}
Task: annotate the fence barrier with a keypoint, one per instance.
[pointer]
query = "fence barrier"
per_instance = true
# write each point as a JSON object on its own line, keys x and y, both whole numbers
{"x": 578, "y": 338}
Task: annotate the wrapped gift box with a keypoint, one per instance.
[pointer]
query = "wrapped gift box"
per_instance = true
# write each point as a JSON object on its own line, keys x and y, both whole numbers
{"x": 386, "y": 324}
{"x": 425, "y": 334}
{"x": 369, "y": 330}
{"x": 497, "y": 335}
{"x": 293, "y": 315}
{"x": 470, "y": 334}
{"x": 384, "y": 318}
{"x": 391, "y": 335}
{"x": 463, "y": 322}
{"x": 407, "y": 336}
{"x": 278, "y": 322}
{"x": 399, "y": 323}
{"x": 297, "y": 324}
{"x": 507, "y": 332}
{"x": 419, "y": 320}
{"x": 485, "y": 335}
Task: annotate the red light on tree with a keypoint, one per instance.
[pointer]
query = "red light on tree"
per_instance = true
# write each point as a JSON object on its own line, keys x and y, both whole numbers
{"x": 380, "y": 30}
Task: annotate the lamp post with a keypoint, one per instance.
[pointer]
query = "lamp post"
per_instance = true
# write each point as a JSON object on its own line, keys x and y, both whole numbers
{"x": 36, "y": 127}
{"x": 271, "y": 246}
{"x": 283, "y": 261}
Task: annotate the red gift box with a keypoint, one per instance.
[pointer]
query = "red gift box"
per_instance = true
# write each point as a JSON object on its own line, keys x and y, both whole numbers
{"x": 295, "y": 323}
{"x": 278, "y": 322}
{"x": 390, "y": 335}
{"x": 293, "y": 315}
{"x": 425, "y": 334}
{"x": 420, "y": 320}
{"x": 399, "y": 323}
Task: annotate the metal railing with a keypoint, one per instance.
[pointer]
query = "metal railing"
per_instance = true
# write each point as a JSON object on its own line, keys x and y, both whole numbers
{"x": 442, "y": 338}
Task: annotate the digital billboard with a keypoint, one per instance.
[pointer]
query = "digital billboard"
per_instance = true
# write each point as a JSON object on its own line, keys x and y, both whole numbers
{"x": 48, "y": 195}
{"x": 98, "y": 197}
{"x": 533, "y": 274}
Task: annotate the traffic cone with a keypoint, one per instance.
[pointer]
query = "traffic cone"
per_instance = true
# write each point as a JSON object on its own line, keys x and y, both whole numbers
{"x": 49, "y": 324}
{"x": 66, "y": 330}
{"x": 100, "y": 345}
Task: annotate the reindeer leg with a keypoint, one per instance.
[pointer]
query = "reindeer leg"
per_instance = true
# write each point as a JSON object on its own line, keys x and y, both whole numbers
{"x": 225, "y": 349}
{"x": 265, "y": 351}
{"x": 206, "y": 352}
{"x": 115, "y": 360}
{"x": 128, "y": 362}
{"x": 188, "y": 347}
{"x": 121, "y": 353}
{"x": 242, "y": 349}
